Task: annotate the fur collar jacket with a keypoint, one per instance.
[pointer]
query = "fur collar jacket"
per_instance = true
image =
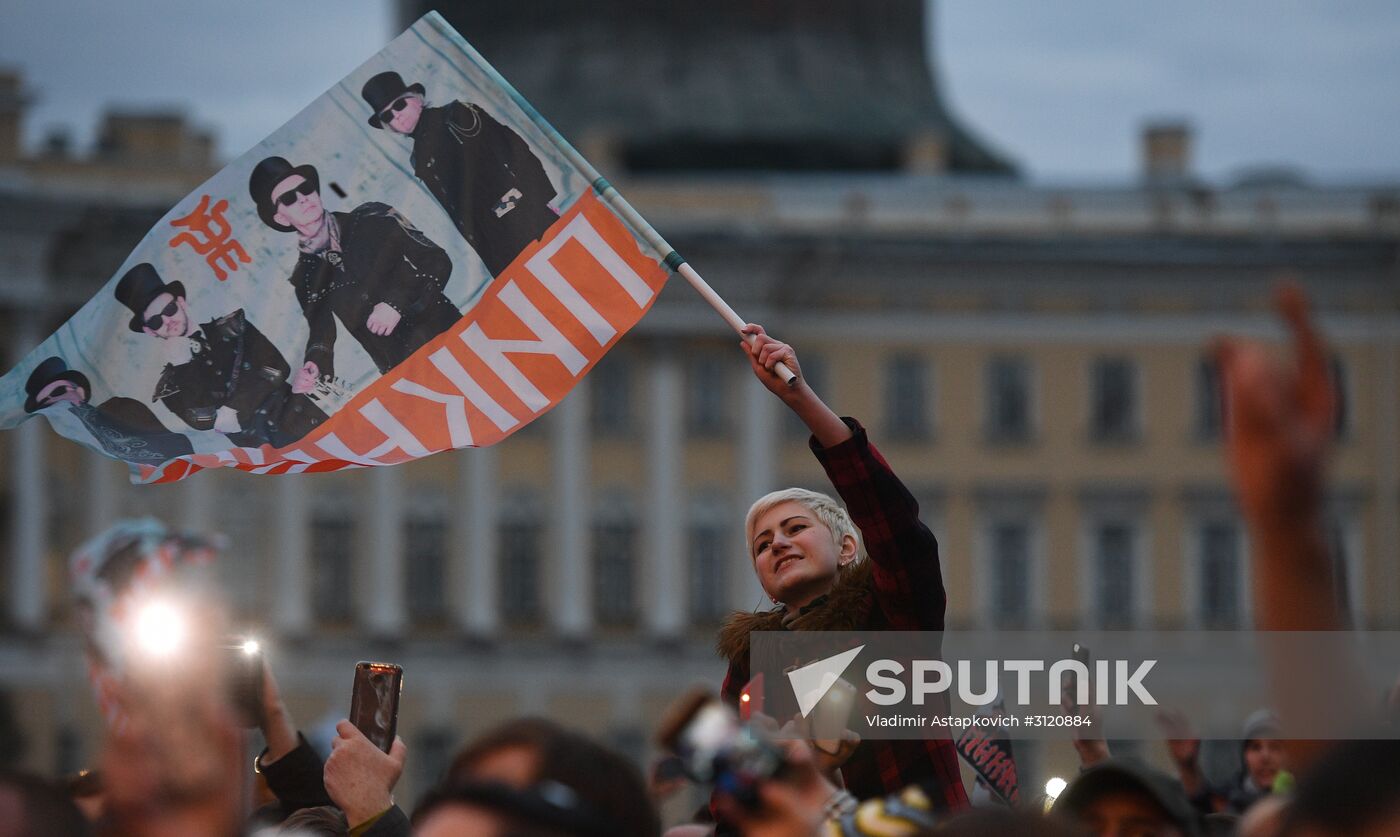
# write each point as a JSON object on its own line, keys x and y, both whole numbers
{"x": 845, "y": 608}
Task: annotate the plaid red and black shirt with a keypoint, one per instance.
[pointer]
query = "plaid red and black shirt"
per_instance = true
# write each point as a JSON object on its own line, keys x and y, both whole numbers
{"x": 908, "y": 595}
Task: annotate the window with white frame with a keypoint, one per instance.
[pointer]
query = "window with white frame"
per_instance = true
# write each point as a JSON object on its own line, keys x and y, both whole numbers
{"x": 708, "y": 540}
{"x": 1114, "y": 583}
{"x": 332, "y": 565}
{"x": 1210, "y": 408}
{"x": 520, "y": 550}
{"x": 906, "y": 397}
{"x": 707, "y": 410}
{"x": 1009, "y": 555}
{"x": 615, "y": 565}
{"x": 425, "y": 565}
{"x": 1008, "y": 399}
{"x": 1113, "y": 409}
{"x": 1221, "y": 574}
{"x": 610, "y": 396}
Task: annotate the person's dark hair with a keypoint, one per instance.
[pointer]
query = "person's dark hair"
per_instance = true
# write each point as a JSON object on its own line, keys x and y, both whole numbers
{"x": 1353, "y": 787}
{"x": 45, "y": 807}
{"x": 1119, "y": 775}
{"x": 606, "y": 782}
{"x": 546, "y": 810}
{"x": 534, "y": 734}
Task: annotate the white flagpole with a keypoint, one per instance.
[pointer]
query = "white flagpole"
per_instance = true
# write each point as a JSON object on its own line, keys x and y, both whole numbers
{"x": 708, "y": 294}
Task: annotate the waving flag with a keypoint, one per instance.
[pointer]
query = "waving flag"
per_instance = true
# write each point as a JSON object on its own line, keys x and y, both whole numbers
{"x": 987, "y": 750}
{"x": 416, "y": 262}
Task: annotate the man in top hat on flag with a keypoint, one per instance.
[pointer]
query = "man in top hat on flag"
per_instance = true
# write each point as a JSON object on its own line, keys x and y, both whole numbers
{"x": 369, "y": 266}
{"x": 223, "y": 375}
{"x": 482, "y": 173}
{"x": 124, "y": 427}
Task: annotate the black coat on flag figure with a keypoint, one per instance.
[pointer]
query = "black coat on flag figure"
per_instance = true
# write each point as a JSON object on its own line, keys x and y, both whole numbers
{"x": 124, "y": 427}
{"x": 484, "y": 175}
{"x": 223, "y": 375}
{"x": 369, "y": 267}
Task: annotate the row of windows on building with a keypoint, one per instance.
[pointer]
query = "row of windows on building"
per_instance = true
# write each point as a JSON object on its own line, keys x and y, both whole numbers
{"x": 1115, "y": 399}
{"x": 1008, "y": 386}
{"x": 1115, "y": 573}
{"x": 523, "y": 590}
{"x": 1009, "y": 566}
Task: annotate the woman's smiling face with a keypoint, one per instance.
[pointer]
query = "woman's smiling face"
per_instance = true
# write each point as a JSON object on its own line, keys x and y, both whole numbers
{"x": 794, "y": 553}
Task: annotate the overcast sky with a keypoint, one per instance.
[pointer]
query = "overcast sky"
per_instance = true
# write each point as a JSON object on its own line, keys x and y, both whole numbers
{"x": 1061, "y": 87}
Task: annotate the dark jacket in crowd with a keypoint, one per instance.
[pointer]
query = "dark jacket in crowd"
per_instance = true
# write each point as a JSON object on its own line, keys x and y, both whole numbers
{"x": 382, "y": 258}
{"x": 899, "y": 588}
{"x": 233, "y": 365}
{"x": 486, "y": 178}
{"x": 296, "y": 779}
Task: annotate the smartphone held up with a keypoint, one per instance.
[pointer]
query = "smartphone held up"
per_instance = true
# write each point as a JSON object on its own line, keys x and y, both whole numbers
{"x": 374, "y": 701}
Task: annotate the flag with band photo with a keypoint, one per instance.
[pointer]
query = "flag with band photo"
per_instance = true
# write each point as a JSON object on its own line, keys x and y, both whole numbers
{"x": 416, "y": 262}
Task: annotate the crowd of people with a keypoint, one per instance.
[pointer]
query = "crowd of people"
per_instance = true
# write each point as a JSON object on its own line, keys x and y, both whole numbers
{"x": 172, "y": 763}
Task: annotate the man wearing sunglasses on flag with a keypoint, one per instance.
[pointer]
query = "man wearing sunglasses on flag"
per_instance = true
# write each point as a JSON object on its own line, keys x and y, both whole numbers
{"x": 369, "y": 267}
{"x": 483, "y": 174}
{"x": 222, "y": 375}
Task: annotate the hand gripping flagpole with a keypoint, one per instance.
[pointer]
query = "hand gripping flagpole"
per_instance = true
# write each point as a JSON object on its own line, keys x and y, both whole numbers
{"x": 613, "y": 198}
